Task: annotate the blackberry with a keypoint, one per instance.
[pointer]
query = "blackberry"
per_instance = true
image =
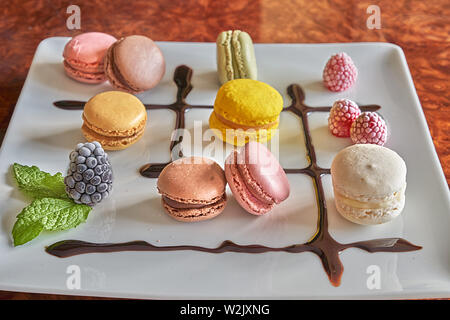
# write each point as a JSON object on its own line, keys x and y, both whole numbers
{"x": 89, "y": 178}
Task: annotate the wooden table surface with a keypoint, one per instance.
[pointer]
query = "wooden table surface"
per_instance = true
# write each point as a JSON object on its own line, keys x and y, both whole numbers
{"x": 421, "y": 28}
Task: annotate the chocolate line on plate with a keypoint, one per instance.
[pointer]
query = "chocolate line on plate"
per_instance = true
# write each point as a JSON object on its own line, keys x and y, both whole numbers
{"x": 321, "y": 243}
{"x": 69, "y": 248}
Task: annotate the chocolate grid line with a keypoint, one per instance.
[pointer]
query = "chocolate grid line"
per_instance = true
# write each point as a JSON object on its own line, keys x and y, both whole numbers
{"x": 321, "y": 243}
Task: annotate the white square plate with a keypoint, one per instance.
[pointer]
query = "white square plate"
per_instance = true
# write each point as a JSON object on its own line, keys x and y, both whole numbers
{"x": 39, "y": 134}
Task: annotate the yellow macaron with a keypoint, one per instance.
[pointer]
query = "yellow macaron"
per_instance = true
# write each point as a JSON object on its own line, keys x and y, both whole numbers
{"x": 246, "y": 110}
{"x": 116, "y": 119}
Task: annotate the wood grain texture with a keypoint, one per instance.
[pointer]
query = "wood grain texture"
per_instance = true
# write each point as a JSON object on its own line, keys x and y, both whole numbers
{"x": 421, "y": 28}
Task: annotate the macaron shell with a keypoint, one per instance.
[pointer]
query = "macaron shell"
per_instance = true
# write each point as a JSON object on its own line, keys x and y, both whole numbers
{"x": 115, "y": 113}
{"x": 368, "y": 171}
{"x": 197, "y": 214}
{"x": 244, "y": 55}
{"x": 109, "y": 72}
{"x": 87, "y": 50}
{"x": 263, "y": 171}
{"x": 192, "y": 180}
{"x": 238, "y": 187}
{"x": 248, "y": 102}
{"x": 139, "y": 63}
{"x": 224, "y": 57}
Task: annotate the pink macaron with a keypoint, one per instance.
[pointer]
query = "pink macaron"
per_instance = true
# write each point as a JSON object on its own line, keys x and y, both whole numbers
{"x": 256, "y": 178}
{"x": 84, "y": 55}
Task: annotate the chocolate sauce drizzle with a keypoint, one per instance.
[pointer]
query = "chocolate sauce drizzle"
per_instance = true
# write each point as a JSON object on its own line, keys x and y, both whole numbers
{"x": 321, "y": 243}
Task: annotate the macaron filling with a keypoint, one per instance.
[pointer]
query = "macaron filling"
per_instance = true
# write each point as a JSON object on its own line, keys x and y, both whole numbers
{"x": 238, "y": 126}
{"x": 189, "y": 205}
{"x": 88, "y": 68}
{"x": 79, "y": 74}
{"x": 388, "y": 202}
{"x": 193, "y": 212}
{"x": 115, "y": 133}
{"x": 89, "y": 131}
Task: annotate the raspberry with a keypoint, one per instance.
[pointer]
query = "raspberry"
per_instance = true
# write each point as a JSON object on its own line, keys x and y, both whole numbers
{"x": 342, "y": 114}
{"x": 340, "y": 72}
{"x": 369, "y": 127}
{"x": 89, "y": 178}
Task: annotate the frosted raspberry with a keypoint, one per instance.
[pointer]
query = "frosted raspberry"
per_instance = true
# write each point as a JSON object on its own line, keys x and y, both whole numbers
{"x": 340, "y": 72}
{"x": 369, "y": 127}
{"x": 342, "y": 114}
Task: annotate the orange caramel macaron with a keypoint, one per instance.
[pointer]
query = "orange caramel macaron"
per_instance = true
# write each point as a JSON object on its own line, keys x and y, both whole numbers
{"x": 116, "y": 119}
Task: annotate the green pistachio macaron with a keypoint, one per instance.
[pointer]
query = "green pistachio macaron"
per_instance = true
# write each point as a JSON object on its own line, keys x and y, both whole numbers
{"x": 235, "y": 56}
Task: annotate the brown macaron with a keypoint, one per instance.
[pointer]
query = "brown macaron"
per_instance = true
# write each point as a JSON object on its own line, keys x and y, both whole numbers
{"x": 192, "y": 189}
{"x": 134, "y": 64}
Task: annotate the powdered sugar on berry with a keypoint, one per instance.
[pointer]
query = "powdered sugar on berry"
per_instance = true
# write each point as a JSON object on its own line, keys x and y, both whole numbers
{"x": 342, "y": 114}
{"x": 340, "y": 72}
{"x": 369, "y": 127}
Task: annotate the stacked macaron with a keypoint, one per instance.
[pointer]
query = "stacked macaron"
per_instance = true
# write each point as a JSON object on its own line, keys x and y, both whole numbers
{"x": 84, "y": 55}
{"x": 246, "y": 110}
{"x": 115, "y": 119}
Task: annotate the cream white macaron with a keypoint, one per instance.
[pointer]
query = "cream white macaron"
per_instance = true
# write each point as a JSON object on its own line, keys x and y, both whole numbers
{"x": 369, "y": 183}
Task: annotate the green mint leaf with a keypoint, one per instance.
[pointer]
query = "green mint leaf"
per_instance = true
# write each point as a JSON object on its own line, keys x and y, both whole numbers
{"x": 37, "y": 184}
{"x": 24, "y": 231}
{"x": 49, "y": 214}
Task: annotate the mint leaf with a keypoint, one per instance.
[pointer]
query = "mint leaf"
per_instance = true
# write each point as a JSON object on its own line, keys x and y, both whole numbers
{"x": 36, "y": 184}
{"x": 47, "y": 214}
{"x": 24, "y": 231}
